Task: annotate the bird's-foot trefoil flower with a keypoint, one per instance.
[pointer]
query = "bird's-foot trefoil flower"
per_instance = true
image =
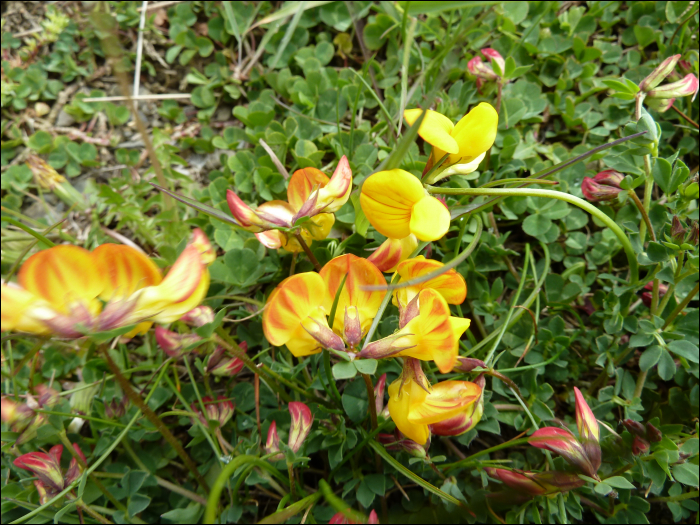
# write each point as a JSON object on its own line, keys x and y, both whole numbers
{"x": 69, "y": 291}
{"x": 659, "y": 74}
{"x": 466, "y": 142}
{"x": 311, "y": 196}
{"x": 485, "y": 72}
{"x": 47, "y": 468}
{"x": 465, "y": 420}
{"x": 302, "y": 419}
{"x": 397, "y": 205}
{"x": 588, "y": 430}
{"x": 272, "y": 445}
{"x": 414, "y": 404}
{"x": 451, "y": 285}
{"x": 536, "y": 483}
{"x": 219, "y": 411}
{"x": 604, "y": 186}
{"x": 392, "y": 252}
{"x": 296, "y": 312}
{"x": 562, "y": 442}
{"x": 432, "y": 335}
{"x": 222, "y": 365}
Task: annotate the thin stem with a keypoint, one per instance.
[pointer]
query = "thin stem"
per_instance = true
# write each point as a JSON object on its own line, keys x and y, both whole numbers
{"x": 648, "y": 188}
{"x": 684, "y": 116}
{"x": 154, "y": 419}
{"x": 610, "y": 223}
{"x": 99, "y": 517}
{"x": 370, "y": 397}
{"x": 680, "y": 497}
{"x": 645, "y": 215}
{"x": 329, "y": 375}
{"x": 308, "y": 252}
{"x": 681, "y": 306}
{"x": 292, "y": 487}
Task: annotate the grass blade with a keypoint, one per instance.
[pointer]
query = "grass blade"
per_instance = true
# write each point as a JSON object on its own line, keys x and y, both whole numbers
{"x": 206, "y": 210}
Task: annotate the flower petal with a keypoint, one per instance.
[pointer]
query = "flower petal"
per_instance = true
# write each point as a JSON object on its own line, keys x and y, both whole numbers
{"x": 294, "y": 299}
{"x": 430, "y": 219}
{"x": 360, "y": 272}
{"x": 319, "y": 226}
{"x": 451, "y": 285}
{"x": 332, "y": 196}
{"x": 62, "y": 275}
{"x": 124, "y": 270}
{"x": 19, "y": 309}
{"x": 302, "y": 419}
{"x": 302, "y": 183}
{"x": 446, "y": 399}
{"x": 393, "y": 251}
{"x": 475, "y": 133}
{"x": 387, "y": 198}
{"x": 436, "y": 129}
{"x": 401, "y": 398}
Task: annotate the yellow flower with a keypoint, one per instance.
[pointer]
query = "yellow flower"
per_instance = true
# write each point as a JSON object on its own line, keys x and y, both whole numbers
{"x": 310, "y": 194}
{"x": 69, "y": 291}
{"x": 414, "y": 405}
{"x": 397, "y": 205}
{"x": 466, "y": 142}
{"x": 451, "y": 285}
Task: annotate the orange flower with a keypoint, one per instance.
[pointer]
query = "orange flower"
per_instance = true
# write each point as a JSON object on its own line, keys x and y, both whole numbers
{"x": 310, "y": 194}
{"x": 432, "y": 335}
{"x": 451, "y": 285}
{"x": 69, "y": 291}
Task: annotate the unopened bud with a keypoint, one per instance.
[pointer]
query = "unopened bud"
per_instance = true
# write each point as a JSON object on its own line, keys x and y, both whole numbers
{"x": 660, "y": 104}
{"x": 386, "y": 347}
{"x": 649, "y": 287}
{"x": 634, "y": 427}
{"x": 47, "y": 467}
{"x": 320, "y": 331}
{"x": 272, "y": 445}
{"x": 588, "y": 430}
{"x": 47, "y": 396}
{"x": 408, "y": 312}
{"x": 659, "y": 74}
{"x": 302, "y": 419}
{"x": 685, "y": 87}
{"x": 653, "y": 434}
{"x": 173, "y": 343}
{"x": 594, "y": 190}
{"x": 467, "y": 364}
{"x": 536, "y": 483}
{"x": 480, "y": 70}
{"x": 494, "y": 56}
{"x": 639, "y": 446}
{"x": 17, "y": 415}
{"x": 398, "y": 442}
{"x": 678, "y": 231}
{"x": 49, "y": 179}
{"x": 563, "y": 442}
{"x": 352, "y": 328}
{"x": 116, "y": 409}
{"x": 694, "y": 234}
{"x": 198, "y": 316}
{"x": 75, "y": 469}
{"x": 223, "y": 365}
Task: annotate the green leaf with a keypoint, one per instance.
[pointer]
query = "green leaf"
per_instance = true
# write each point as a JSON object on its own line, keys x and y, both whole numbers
{"x": 536, "y": 225}
{"x": 650, "y": 357}
{"x": 657, "y": 252}
{"x": 603, "y": 488}
{"x": 138, "y": 503}
{"x": 41, "y": 142}
{"x": 619, "y": 482}
{"x": 419, "y": 8}
{"x": 686, "y": 473}
{"x": 645, "y": 35}
{"x": 344, "y": 370}
{"x": 685, "y": 349}
{"x": 666, "y": 366}
{"x": 366, "y": 366}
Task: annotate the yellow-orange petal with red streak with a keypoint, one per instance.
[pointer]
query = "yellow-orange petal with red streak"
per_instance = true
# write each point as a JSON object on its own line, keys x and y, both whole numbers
{"x": 173, "y": 311}
{"x": 61, "y": 275}
{"x": 333, "y": 195}
{"x": 302, "y": 183}
{"x": 17, "y": 306}
{"x": 388, "y": 198}
{"x": 124, "y": 270}
{"x": 445, "y": 400}
{"x": 319, "y": 226}
{"x": 294, "y": 299}
{"x": 432, "y": 335}
{"x": 272, "y": 239}
{"x": 436, "y": 129}
{"x": 392, "y": 252}
{"x": 451, "y": 285}
{"x": 360, "y": 272}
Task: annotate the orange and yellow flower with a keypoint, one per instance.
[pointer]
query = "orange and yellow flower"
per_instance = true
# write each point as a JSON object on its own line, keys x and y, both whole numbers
{"x": 451, "y": 285}
{"x": 69, "y": 291}
{"x": 466, "y": 142}
{"x": 414, "y": 405}
{"x": 393, "y": 251}
{"x": 432, "y": 335}
{"x": 296, "y": 313}
{"x": 397, "y": 205}
{"x": 310, "y": 194}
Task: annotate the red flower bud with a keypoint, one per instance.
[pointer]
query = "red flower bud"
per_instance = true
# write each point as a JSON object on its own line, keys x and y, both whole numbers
{"x": 563, "y": 442}
{"x": 467, "y": 364}
{"x": 173, "y": 343}
{"x": 653, "y": 434}
{"x": 661, "y": 72}
{"x": 604, "y": 186}
{"x": 272, "y": 444}
{"x": 198, "y": 316}
{"x": 639, "y": 446}
{"x": 634, "y": 427}
{"x": 536, "y": 483}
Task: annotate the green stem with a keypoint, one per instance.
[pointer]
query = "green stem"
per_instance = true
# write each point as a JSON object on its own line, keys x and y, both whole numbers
{"x": 550, "y": 194}
{"x": 281, "y": 516}
{"x": 681, "y": 497}
{"x": 329, "y": 376}
{"x": 468, "y": 459}
{"x": 681, "y": 306}
{"x": 292, "y": 487}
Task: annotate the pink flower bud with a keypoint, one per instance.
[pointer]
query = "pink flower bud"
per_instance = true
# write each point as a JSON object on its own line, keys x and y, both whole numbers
{"x": 685, "y": 66}
{"x": 481, "y": 71}
{"x": 47, "y": 467}
{"x": 341, "y": 519}
{"x": 379, "y": 394}
{"x": 272, "y": 444}
{"x": 352, "y": 328}
{"x": 223, "y": 365}
{"x": 173, "y": 343}
{"x": 661, "y": 72}
{"x": 220, "y": 411}
{"x": 384, "y": 347}
{"x": 373, "y": 518}
{"x": 604, "y": 186}
{"x": 588, "y": 429}
{"x": 649, "y": 287}
{"x": 563, "y": 442}
{"x": 302, "y": 419}
{"x": 660, "y": 104}
{"x": 47, "y": 397}
{"x": 536, "y": 483}
{"x": 494, "y": 56}
{"x": 74, "y": 469}
{"x": 198, "y": 316}
{"x": 639, "y": 446}
{"x": 17, "y": 415}
{"x": 634, "y": 427}
{"x": 685, "y": 87}
{"x": 467, "y": 364}
{"x": 653, "y": 434}
{"x": 678, "y": 230}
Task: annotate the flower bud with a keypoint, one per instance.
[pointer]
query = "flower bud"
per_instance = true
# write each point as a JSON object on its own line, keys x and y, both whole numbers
{"x": 661, "y": 72}
{"x": 198, "y": 316}
{"x": 494, "y": 56}
{"x": 694, "y": 234}
{"x": 379, "y": 394}
{"x": 634, "y": 427}
{"x": 596, "y": 192}
{"x": 588, "y": 430}
{"x": 480, "y": 70}
{"x": 272, "y": 444}
{"x": 536, "y": 483}
{"x": 302, "y": 419}
{"x": 17, "y": 415}
{"x": 660, "y": 104}
{"x": 467, "y": 364}
{"x": 320, "y": 331}
{"x": 687, "y": 86}
{"x": 386, "y": 347}
{"x": 49, "y": 179}
{"x": 400, "y": 443}
{"x": 116, "y": 409}
{"x": 653, "y": 434}
{"x": 352, "y": 328}
{"x": 340, "y": 518}
{"x": 173, "y": 343}
{"x": 75, "y": 469}
{"x": 220, "y": 411}
{"x": 563, "y": 442}
{"x": 639, "y": 446}
{"x": 409, "y": 312}
{"x": 678, "y": 231}
{"x": 223, "y": 365}
{"x": 47, "y": 467}
{"x": 47, "y": 397}
{"x": 649, "y": 287}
